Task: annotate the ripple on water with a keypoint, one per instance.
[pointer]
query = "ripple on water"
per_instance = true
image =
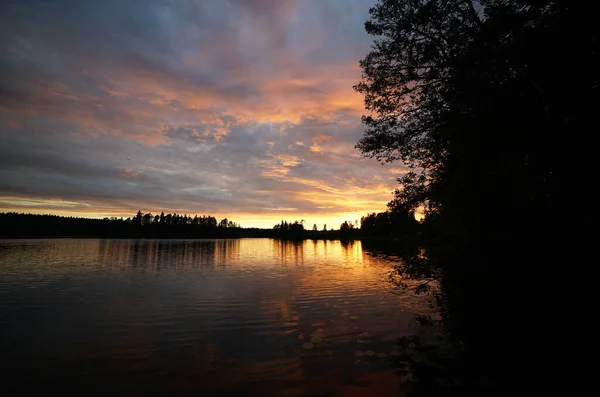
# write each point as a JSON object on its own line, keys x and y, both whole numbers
{"x": 210, "y": 313}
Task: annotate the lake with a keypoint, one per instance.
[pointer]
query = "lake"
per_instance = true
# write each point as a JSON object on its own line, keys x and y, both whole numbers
{"x": 198, "y": 318}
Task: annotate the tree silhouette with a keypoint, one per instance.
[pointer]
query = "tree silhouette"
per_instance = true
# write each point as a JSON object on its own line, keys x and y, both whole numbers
{"x": 346, "y": 226}
{"x": 147, "y": 219}
{"x": 478, "y": 99}
{"x": 140, "y": 226}
{"x": 291, "y": 230}
{"x": 137, "y": 221}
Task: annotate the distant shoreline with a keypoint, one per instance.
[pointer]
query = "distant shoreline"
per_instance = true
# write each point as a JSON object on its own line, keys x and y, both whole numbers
{"x": 182, "y": 238}
{"x": 335, "y": 237}
{"x": 174, "y": 226}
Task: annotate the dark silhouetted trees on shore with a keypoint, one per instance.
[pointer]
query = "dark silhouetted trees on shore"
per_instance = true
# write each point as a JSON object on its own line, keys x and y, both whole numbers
{"x": 140, "y": 226}
{"x": 290, "y": 230}
{"x": 398, "y": 223}
{"x": 183, "y": 226}
{"x": 392, "y": 224}
{"x": 492, "y": 106}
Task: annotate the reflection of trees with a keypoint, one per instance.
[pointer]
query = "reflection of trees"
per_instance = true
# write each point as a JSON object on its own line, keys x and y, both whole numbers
{"x": 347, "y": 245}
{"x": 226, "y": 250}
{"x": 352, "y": 250}
{"x": 169, "y": 253}
{"x": 290, "y": 250}
{"x": 115, "y": 252}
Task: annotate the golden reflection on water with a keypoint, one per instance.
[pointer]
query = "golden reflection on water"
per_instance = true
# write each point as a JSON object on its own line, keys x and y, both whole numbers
{"x": 222, "y": 316}
{"x": 296, "y": 251}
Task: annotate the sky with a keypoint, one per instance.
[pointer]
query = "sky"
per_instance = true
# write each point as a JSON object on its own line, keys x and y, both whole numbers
{"x": 235, "y": 108}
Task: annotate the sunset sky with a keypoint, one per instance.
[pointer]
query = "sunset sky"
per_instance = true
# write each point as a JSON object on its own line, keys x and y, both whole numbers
{"x": 236, "y": 108}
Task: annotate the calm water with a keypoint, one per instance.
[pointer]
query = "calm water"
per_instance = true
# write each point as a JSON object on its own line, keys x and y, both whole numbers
{"x": 197, "y": 317}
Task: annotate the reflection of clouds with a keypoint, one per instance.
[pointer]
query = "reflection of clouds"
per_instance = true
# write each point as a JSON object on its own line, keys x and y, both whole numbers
{"x": 225, "y": 314}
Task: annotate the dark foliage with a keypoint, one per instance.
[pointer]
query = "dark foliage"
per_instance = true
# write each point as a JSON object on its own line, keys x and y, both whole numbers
{"x": 161, "y": 226}
{"x": 349, "y": 229}
{"x": 397, "y": 222}
{"x": 291, "y": 230}
{"x": 140, "y": 226}
{"x": 491, "y": 104}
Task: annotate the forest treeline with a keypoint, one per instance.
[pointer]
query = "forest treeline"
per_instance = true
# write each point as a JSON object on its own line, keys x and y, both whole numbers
{"x": 139, "y": 226}
{"x": 390, "y": 224}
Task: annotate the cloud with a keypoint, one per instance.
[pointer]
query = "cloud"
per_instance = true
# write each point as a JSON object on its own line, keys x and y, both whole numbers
{"x": 242, "y": 108}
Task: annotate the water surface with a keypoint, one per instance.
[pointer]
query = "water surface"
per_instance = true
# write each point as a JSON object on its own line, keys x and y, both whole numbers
{"x": 198, "y": 317}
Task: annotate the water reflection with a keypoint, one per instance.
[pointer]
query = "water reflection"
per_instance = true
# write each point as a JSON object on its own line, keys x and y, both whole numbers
{"x": 179, "y": 253}
{"x": 290, "y": 251}
{"x": 197, "y": 316}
